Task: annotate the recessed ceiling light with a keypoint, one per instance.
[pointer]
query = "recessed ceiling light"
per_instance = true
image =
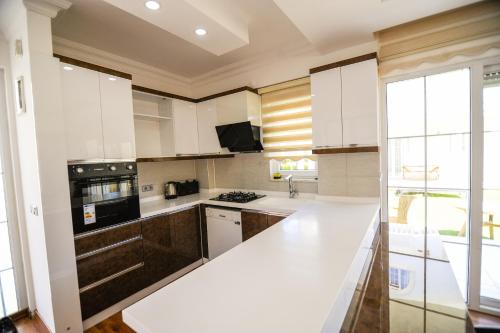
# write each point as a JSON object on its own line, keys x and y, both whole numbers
{"x": 200, "y": 32}
{"x": 68, "y": 68}
{"x": 151, "y": 4}
{"x": 112, "y": 78}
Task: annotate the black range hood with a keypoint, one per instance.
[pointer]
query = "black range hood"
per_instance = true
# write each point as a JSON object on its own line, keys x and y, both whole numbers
{"x": 240, "y": 137}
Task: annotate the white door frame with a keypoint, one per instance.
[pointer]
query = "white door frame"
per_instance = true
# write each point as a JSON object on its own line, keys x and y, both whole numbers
{"x": 6, "y": 158}
{"x": 476, "y": 167}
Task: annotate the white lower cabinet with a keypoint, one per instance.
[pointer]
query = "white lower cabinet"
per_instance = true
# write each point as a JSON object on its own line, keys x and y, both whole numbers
{"x": 208, "y": 140}
{"x": 185, "y": 127}
{"x": 82, "y": 113}
{"x": 117, "y": 117}
{"x": 360, "y": 104}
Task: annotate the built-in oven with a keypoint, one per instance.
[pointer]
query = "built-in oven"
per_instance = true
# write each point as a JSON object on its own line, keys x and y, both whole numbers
{"x": 103, "y": 194}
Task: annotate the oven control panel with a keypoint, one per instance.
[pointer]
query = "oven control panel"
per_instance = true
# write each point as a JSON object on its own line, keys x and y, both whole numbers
{"x": 79, "y": 171}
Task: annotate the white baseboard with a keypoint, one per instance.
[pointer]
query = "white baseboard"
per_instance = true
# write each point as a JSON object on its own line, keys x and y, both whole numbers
{"x": 97, "y": 318}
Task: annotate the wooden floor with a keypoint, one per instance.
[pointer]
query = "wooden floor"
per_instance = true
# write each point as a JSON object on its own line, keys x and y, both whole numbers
{"x": 483, "y": 319}
{"x": 111, "y": 325}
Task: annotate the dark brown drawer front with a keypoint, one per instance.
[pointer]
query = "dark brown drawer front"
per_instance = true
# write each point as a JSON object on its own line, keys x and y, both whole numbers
{"x": 105, "y": 295}
{"x": 107, "y": 238}
{"x": 108, "y": 262}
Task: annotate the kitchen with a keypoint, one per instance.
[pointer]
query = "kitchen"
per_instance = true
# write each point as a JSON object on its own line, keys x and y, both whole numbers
{"x": 238, "y": 175}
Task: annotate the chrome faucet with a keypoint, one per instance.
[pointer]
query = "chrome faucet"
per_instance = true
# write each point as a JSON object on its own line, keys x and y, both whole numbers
{"x": 292, "y": 191}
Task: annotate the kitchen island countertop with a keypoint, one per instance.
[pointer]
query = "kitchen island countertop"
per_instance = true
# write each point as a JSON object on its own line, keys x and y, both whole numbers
{"x": 297, "y": 276}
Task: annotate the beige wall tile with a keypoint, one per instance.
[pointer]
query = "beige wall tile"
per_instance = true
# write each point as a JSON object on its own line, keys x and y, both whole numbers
{"x": 363, "y": 165}
{"x": 333, "y": 185}
{"x": 251, "y": 171}
{"x": 158, "y": 173}
{"x": 363, "y": 186}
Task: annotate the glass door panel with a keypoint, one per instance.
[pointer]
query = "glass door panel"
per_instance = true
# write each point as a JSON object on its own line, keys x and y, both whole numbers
{"x": 490, "y": 251}
{"x": 428, "y": 169}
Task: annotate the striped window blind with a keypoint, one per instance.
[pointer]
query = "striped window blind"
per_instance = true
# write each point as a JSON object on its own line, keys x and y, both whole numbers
{"x": 287, "y": 119}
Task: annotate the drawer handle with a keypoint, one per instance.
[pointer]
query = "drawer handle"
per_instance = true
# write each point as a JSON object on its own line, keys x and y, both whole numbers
{"x": 107, "y": 248}
{"x": 237, "y": 222}
{"x": 111, "y": 277}
{"x": 220, "y": 215}
{"x": 99, "y": 231}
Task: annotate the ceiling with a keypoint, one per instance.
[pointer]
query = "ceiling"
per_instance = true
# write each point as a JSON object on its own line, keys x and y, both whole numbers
{"x": 238, "y": 30}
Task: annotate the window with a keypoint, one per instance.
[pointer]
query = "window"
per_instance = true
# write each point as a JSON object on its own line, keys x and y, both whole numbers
{"x": 399, "y": 278}
{"x": 287, "y": 129}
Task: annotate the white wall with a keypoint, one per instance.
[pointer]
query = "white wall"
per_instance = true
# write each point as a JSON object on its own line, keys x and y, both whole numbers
{"x": 41, "y": 146}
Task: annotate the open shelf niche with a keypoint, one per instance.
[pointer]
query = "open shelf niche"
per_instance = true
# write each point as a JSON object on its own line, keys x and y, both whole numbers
{"x": 154, "y": 128}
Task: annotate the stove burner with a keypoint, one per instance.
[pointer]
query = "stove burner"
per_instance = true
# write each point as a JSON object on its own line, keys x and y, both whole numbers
{"x": 240, "y": 197}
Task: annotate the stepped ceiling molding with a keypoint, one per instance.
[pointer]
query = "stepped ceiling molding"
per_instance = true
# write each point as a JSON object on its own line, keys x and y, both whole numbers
{"x": 238, "y": 31}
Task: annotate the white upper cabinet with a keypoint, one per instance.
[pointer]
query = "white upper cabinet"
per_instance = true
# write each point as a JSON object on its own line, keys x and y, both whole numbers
{"x": 360, "y": 103}
{"x": 185, "y": 127}
{"x": 82, "y": 113}
{"x": 345, "y": 106}
{"x": 207, "y": 120}
{"x": 117, "y": 117}
{"x": 326, "y": 108}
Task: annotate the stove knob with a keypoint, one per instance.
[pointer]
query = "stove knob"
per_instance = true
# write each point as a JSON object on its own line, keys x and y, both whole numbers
{"x": 130, "y": 167}
{"x": 79, "y": 170}
{"x": 112, "y": 168}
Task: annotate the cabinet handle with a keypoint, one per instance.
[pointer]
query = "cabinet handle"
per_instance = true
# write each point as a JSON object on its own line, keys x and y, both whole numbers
{"x": 111, "y": 277}
{"x": 107, "y": 248}
{"x": 237, "y": 222}
{"x": 220, "y": 215}
{"x": 99, "y": 231}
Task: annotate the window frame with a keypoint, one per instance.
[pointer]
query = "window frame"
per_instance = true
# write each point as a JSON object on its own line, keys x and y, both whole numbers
{"x": 304, "y": 175}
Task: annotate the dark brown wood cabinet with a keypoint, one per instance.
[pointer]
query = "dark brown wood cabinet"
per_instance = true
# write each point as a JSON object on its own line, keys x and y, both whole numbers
{"x": 171, "y": 242}
{"x": 273, "y": 218}
{"x": 109, "y": 265}
{"x": 253, "y": 222}
{"x": 115, "y": 263}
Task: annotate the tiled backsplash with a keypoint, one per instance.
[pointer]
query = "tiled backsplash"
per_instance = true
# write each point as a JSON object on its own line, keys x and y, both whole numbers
{"x": 354, "y": 175}
{"x": 158, "y": 173}
{"x": 339, "y": 174}
{"x": 251, "y": 171}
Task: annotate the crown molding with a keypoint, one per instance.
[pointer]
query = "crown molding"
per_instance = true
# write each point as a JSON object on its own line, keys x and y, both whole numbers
{"x": 96, "y": 56}
{"x": 48, "y": 8}
{"x": 250, "y": 64}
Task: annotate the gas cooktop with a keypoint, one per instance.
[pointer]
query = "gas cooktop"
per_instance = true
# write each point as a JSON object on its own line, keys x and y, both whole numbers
{"x": 239, "y": 197}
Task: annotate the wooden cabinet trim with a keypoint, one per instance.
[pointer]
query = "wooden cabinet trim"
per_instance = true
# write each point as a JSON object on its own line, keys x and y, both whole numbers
{"x": 345, "y": 62}
{"x": 97, "y": 68}
{"x": 346, "y": 150}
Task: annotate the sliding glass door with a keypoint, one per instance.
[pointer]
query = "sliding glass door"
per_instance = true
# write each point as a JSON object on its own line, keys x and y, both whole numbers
{"x": 428, "y": 167}
{"x": 443, "y": 174}
{"x": 490, "y": 249}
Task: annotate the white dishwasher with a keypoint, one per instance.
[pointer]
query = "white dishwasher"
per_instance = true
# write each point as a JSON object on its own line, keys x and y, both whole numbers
{"x": 223, "y": 230}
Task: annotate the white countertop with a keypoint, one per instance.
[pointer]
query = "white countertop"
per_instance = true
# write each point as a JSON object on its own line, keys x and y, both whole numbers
{"x": 297, "y": 276}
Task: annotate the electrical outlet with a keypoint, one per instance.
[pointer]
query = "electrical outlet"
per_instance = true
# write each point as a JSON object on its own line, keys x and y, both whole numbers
{"x": 147, "y": 188}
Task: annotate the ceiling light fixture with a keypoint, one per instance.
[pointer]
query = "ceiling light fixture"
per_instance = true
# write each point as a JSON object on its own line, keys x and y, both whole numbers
{"x": 68, "y": 68}
{"x": 112, "y": 78}
{"x": 200, "y": 32}
{"x": 152, "y": 4}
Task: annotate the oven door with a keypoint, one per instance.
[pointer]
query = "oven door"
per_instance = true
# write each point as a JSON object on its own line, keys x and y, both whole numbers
{"x": 101, "y": 202}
